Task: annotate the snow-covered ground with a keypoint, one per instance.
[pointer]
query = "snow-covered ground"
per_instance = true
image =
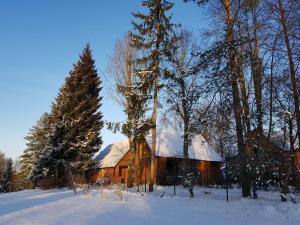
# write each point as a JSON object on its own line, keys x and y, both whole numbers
{"x": 209, "y": 207}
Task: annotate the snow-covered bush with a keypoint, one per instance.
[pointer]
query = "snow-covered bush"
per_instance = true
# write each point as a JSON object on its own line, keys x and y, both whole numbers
{"x": 117, "y": 191}
{"x": 189, "y": 183}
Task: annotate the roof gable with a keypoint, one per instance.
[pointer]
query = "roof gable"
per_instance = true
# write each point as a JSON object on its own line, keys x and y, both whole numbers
{"x": 112, "y": 154}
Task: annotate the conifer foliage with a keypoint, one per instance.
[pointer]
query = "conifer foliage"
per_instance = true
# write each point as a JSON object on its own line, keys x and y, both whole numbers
{"x": 64, "y": 141}
{"x": 36, "y": 142}
{"x": 77, "y": 107}
{"x": 6, "y": 173}
{"x": 150, "y": 37}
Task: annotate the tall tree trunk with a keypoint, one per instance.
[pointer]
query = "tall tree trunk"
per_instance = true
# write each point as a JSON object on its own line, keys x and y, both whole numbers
{"x": 257, "y": 75}
{"x": 233, "y": 77}
{"x": 186, "y": 161}
{"x": 155, "y": 94}
{"x": 186, "y": 135}
{"x": 236, "y": 100}
{"x": 257, "y": 80}
{"x": 291, "y": 136}
{"x": 131, "y": 163}
{"x": 283, "y": 21}
{"x": 243, "y": 84}
{"x": 131, "y": 140}
{"x": 271, "y": 89}
{"x": 153, "y": 144}
{"x": 255, "y": 71}
{"x": 137, "y": 167}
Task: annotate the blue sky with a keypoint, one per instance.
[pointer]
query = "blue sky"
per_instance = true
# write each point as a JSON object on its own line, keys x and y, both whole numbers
{"x": 40, "y": 41}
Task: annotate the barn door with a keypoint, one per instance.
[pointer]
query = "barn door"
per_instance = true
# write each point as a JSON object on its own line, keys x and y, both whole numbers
{"x": 123, "y": 173}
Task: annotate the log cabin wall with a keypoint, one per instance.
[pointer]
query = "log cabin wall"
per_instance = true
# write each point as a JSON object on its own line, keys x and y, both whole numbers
{"x": 161, "y": 170}
{"x": 142, "y": 163}
{"x": 119, "y": 173}
{"x": 97, "y": 174}
{"x": 209, "y": 171}
{"x": 121, "y": 169}
{"x": 297, "y": 158}
{"x": 297, "y": 165}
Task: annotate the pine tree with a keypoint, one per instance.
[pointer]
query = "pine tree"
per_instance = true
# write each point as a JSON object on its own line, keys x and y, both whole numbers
{"x": 150, "y": 37}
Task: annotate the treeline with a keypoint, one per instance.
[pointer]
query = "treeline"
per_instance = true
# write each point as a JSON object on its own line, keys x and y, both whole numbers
{"x": 6, "y": 173}
{"x": 61, "y": 145}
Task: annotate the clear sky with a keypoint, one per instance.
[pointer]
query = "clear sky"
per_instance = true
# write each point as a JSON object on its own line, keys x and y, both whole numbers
{"x": 40, "y": 41}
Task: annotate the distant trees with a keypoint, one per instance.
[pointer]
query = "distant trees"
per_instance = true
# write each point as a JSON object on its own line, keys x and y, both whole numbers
{"x": 6, "y": 173}
{"x": 65, "y": 140}
{"x": 7, "y": 176}
{"x": 2, "y": 164}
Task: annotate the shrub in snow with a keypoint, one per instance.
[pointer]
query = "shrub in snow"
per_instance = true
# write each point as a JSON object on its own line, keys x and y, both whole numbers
{"x": 117, "y": 191}
{"x": 189, "y": 183}
{"x": 84, "y": 188}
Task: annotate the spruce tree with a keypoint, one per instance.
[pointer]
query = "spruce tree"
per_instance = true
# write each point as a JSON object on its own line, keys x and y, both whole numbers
{"x": 36, "y": 142}
{"x": 150, "y": 38}
{"x": 78, "y": 104}
{"x": 57, "y": 160}
{"x": 73, "y": 129}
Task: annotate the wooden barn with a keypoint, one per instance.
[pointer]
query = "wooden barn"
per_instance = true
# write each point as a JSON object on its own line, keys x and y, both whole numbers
{"x": 114, "y": 160}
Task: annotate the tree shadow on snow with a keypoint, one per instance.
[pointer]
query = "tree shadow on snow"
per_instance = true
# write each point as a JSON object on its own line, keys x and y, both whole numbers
{"x": 32, "y": 199}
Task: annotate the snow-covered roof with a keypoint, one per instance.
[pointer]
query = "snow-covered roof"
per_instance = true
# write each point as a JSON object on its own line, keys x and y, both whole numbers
{"x": 168, "y": 144}
{"x": 112, "y": 154}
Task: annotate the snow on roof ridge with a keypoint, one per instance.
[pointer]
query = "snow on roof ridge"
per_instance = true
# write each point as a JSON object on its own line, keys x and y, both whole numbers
{"x": 169, "y": 143}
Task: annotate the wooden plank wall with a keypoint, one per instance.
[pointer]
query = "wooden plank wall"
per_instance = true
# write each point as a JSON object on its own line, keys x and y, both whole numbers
{"x": 209, "y": 171}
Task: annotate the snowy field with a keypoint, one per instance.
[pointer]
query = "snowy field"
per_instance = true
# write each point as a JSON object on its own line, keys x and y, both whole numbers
{"x": 209, "y": 207}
